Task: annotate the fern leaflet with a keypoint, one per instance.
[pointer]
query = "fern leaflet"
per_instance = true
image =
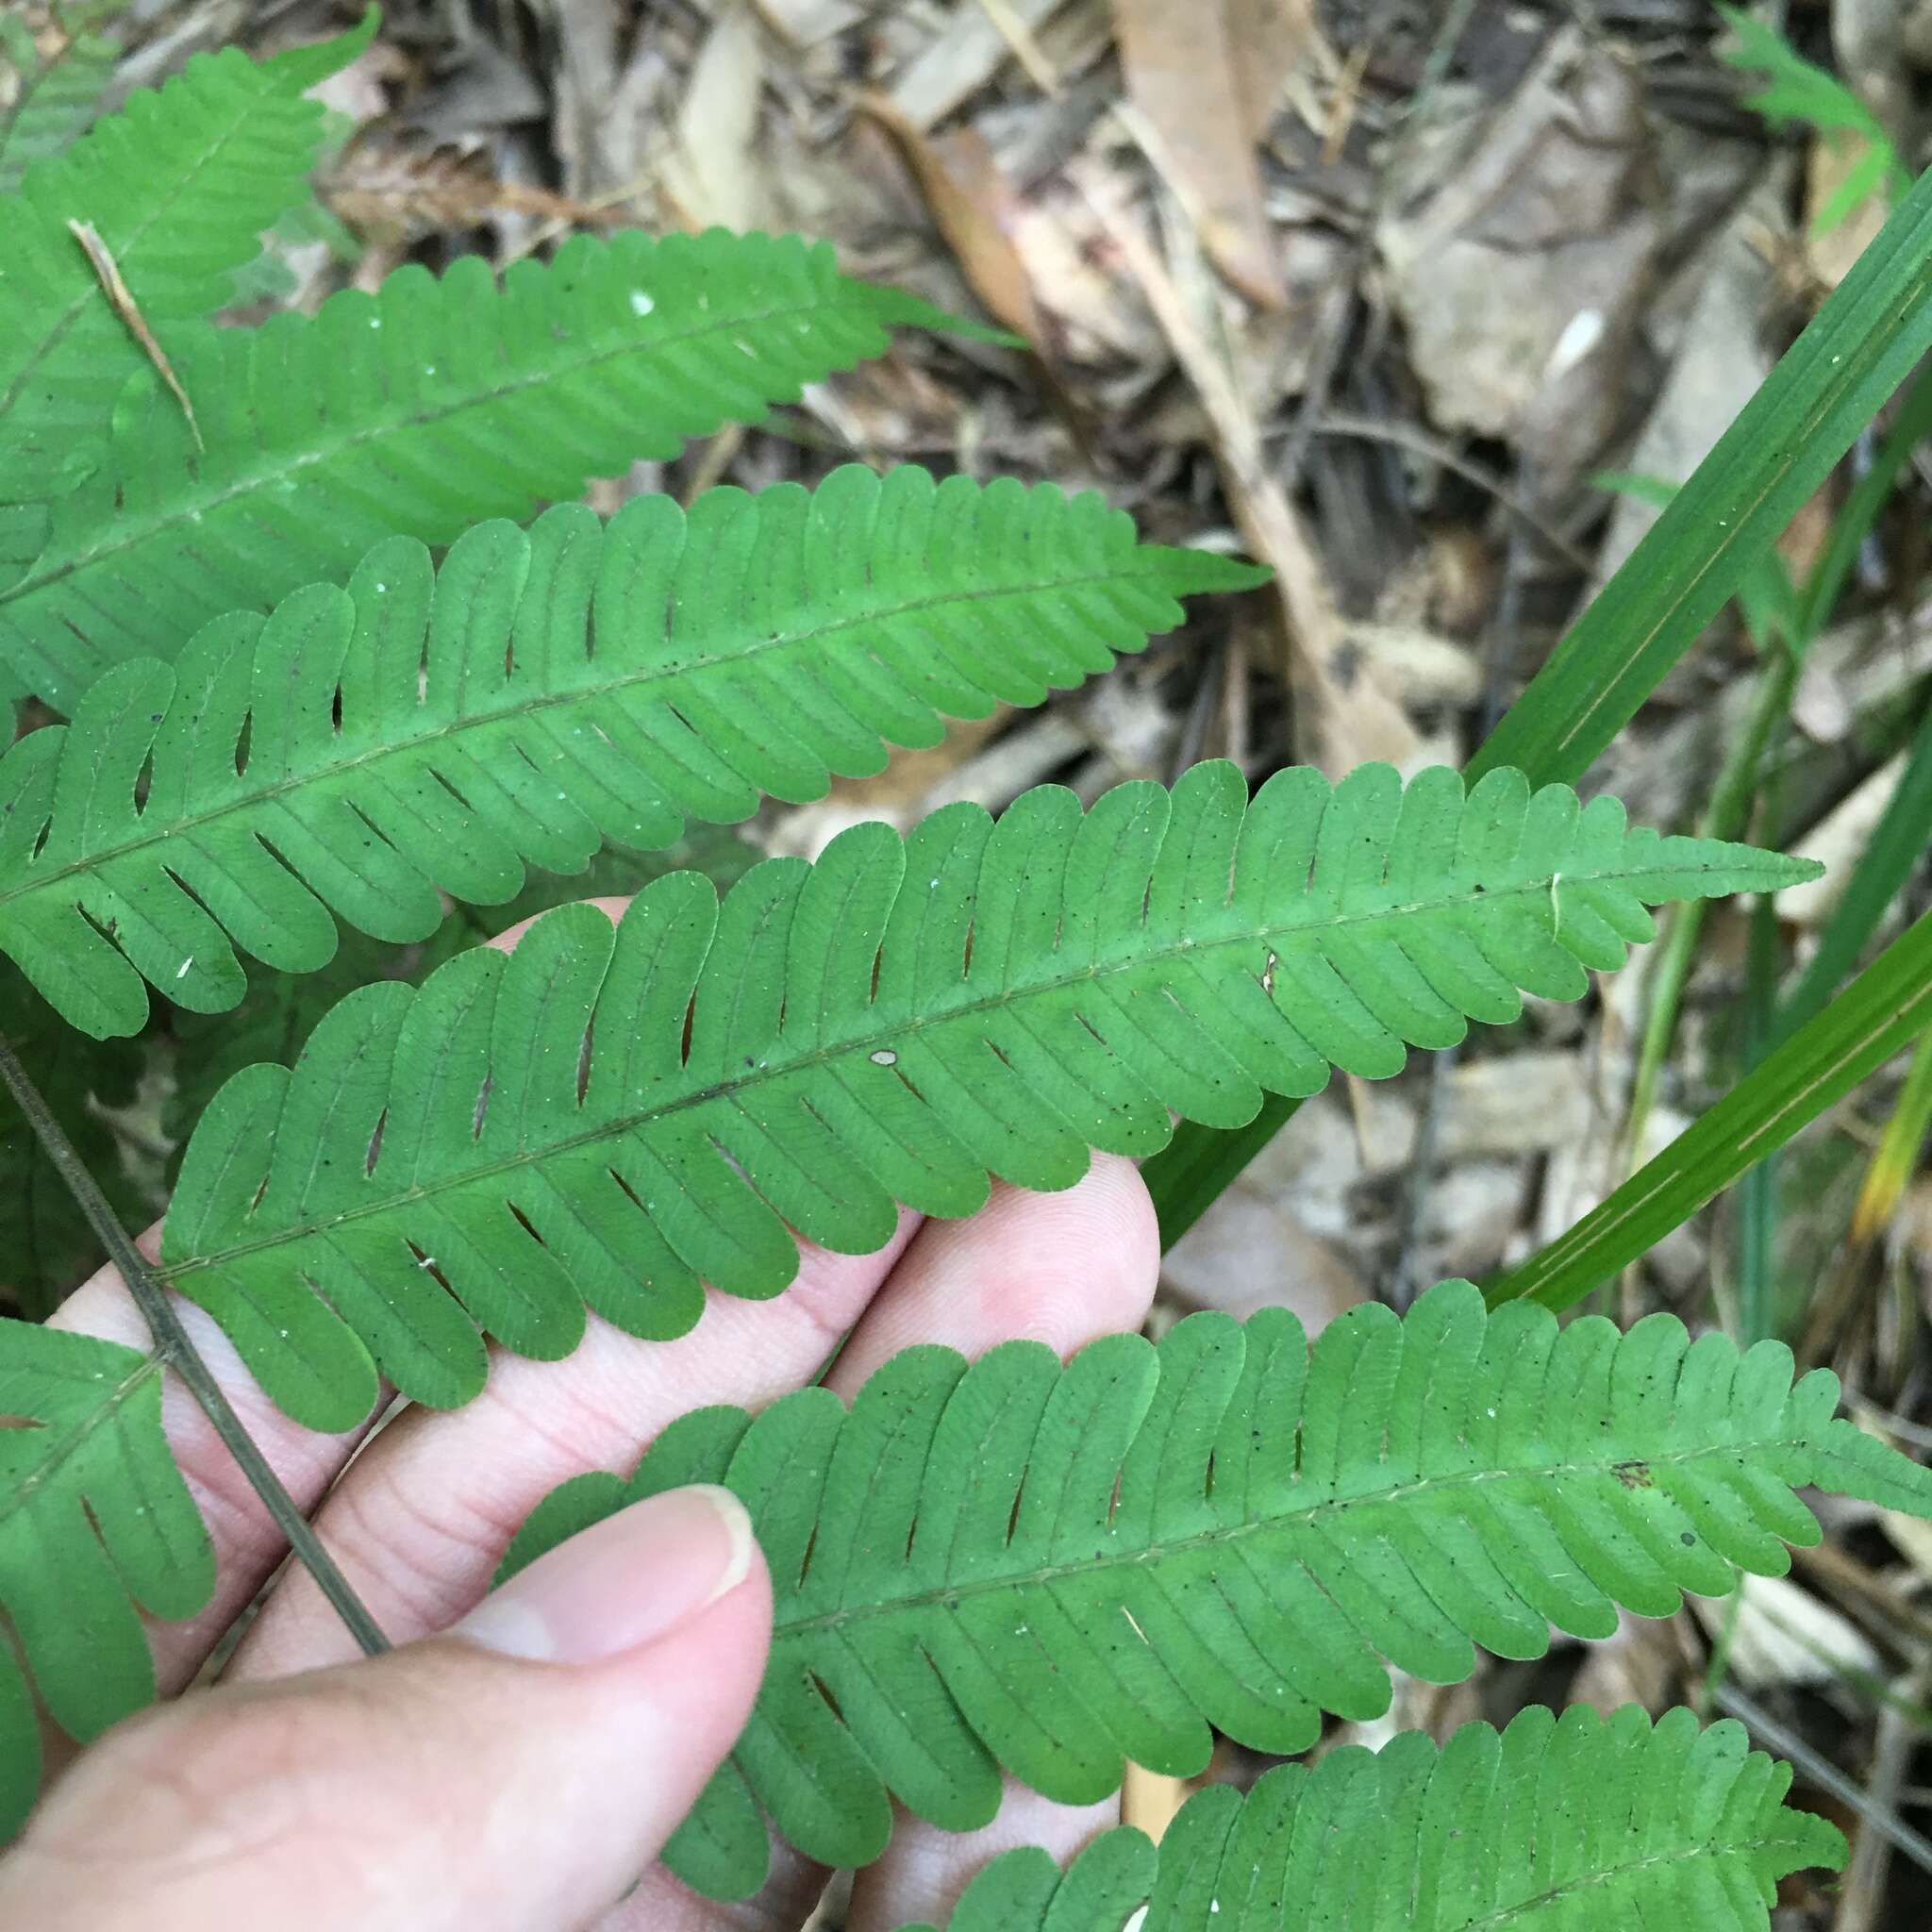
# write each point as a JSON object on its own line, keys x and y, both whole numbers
{"x": 612, "y": 1117}
{"x": 96, "y": 1525}
{"x": 1052, "y": 1570}
{"x": 55, "y": 94}
{"x": 281, "y": 1009}
{"x": 179, "y": 184}
{"x": 419, "y": 410}
{"x": 1679, "y": 1827}
{"x": 547, "y": 690}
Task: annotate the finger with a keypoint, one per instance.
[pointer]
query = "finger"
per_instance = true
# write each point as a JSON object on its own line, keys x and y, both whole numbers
{"x": 510, "y": 1777}
{"x": 247, "y": 1545}
{"x": 421, "y": 1521}
{"x": 659, "y": 1902}
{"x": 925, "y": 1871}
{"x": 1061, "y": 1269}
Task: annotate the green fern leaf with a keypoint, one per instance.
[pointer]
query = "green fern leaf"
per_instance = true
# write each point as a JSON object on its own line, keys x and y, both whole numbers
{"x": 1678, "y": 1826}
{"x": 613, "y": 1117}
{"x": 283, "y": 1009}
{"x": 96, "y": 1525}
{"x": 46, "y": 1246}
{"x": 1023, "y": 1890}
{"x": 56, "y": 95}
{"x": 179, "y": 185}
{"x": 1052, "y": 1570}
{"x": 543, "y": 692}
{"x": 419, "y": 411}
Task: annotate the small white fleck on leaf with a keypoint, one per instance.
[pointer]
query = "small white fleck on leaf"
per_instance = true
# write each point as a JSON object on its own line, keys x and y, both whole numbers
{"x": 883, "y": 1057}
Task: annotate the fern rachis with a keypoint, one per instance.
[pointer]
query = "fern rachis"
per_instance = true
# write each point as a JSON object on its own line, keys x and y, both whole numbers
{"x": 1691, "y": 1828}
{"x": 892, "y": 1024}
{"x": 419, "y": 411}
{"x": 577, "y": 682}
{"x": 1016, "y": 1564}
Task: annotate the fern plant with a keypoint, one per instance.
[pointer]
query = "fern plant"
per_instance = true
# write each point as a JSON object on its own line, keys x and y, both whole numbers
{"x": 1685, "y": 1827}
{"x": 544, "y": 691}
{"x": 615, "y": 1117}
{"x": 418, "y": 410}
{"x": 178, "y": 186}
{"x": 55, "y": 92}
{"x": 1098, "y": 1562}
{"x": 895, "y": 1022}
{"x": 294, "y": 733}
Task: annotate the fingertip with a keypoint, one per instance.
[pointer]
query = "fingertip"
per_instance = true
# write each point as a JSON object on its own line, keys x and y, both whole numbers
{"x": 506, "y": 941}
{"x": 1062, "y": 1269}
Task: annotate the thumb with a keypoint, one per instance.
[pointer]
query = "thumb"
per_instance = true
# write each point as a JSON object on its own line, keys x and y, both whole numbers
{"x": 519, "y": 1773}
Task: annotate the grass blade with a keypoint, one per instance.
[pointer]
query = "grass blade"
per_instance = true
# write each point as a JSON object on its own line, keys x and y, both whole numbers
{"x": 1879, "y": 1014}
{"x": 1894, "y": 848}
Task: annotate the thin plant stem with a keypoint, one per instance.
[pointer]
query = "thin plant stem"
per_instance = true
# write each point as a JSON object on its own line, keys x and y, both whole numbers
{"x": 176, "y": 1347}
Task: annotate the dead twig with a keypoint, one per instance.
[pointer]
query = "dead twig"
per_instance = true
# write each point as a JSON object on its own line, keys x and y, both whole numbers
{"x": 1341, "y": 719}
{"x": 1409, "y": 436}
{"x": 121, "y": 298}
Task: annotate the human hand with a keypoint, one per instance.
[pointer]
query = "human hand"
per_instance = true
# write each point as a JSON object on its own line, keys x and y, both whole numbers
{"x": 520, "y": 1758}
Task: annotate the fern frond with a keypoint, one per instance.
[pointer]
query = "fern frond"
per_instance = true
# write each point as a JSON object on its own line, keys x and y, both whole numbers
{"x": 46, "y": 1245}
{"x": 1555, "y": 1825}
{"x": 1052, "y": 1570}
{"x": 96, "y": 1525}
{"x": 544, "y": 691}
{"x": 419, "y": 411}
{"x": 179, "y": 185}
{"x": 613, "y": 1117}
{"x": 56, "y": 95}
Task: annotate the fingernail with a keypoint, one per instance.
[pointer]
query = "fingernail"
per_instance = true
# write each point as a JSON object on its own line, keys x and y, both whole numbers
{"x": 629, "y": 1580}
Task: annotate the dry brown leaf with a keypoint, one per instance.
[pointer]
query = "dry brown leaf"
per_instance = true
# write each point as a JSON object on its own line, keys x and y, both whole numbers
{"x": 1183, "y": 73}
{"x": 962, "y": 58}
{"x": 1778, "y": 1633}
{"x": 1344, "y": 718}
{"x": 805, "y": 22}
{"x": 1837, "y": 841}
{"x": 712, "y": 176}
{"x": 1251, "y": 1251}
{"x": 1517, "y": 244}
{"x": 1829, "y": 256}
{"x": 974, "y": 207}
{"x": 404, "y": 197}
{"x": 1270, "y": 40}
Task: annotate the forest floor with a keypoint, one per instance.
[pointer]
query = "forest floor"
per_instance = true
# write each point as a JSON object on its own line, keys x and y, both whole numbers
{"x": 1375, "y": 290}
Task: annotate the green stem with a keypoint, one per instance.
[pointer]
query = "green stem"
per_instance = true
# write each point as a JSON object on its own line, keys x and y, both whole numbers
{"x": 176, "y": 1347}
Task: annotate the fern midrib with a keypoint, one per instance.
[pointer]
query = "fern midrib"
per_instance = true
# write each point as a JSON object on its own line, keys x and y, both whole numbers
{"x": 125, "y": 533}
{"x": 70, "y": 1441}
{"x": 91, "y": 290}
{"x": 1045, "y": 1574}
{"x": 1682, "y": 1855}
{"x": 882, "y": 1035}
{"x": 1145, "y": 564}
